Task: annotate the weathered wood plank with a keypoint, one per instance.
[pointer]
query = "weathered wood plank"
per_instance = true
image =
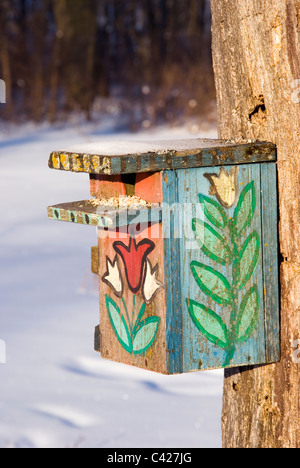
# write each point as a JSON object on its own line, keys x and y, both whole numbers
{"x": 170, "y": 224}
{"x": 103, "y": 186}
{"x": 95, "y": 260}
{"x": 235, "y": 346}
{"x": 148, "y": 187}
{"x": 132, "y": 299}
{"x": 271, "y": 261}
{"x": 134, "y": 157}
{"x": 254, "y": 349}
{"x": 84, "y": 212}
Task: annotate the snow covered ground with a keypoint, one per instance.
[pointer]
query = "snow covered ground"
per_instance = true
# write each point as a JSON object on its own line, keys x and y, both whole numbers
{"x": 55, "y": 391}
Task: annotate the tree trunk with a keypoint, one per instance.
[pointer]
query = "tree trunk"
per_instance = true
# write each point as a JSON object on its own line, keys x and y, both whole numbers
{"x": 257, "y": 70}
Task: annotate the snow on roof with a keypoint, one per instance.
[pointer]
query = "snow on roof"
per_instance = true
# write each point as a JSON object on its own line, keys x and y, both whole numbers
{"x": 123, "y": 147}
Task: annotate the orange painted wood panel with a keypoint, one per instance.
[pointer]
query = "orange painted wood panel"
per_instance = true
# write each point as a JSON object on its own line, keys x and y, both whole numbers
{"x": 103, "y": 186}
{"x": 148, "y": 186}
{"x": 132, "y": 299}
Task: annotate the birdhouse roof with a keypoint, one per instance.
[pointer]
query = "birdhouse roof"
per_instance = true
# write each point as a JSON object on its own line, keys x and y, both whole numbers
{"x": 126, "y": 157}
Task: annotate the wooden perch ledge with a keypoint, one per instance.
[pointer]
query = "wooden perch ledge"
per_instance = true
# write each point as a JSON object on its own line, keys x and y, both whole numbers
{"x": 84, "y": 212}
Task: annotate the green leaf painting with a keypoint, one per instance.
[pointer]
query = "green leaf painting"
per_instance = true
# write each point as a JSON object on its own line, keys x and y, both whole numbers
{"x": 212, "y": 243}
{"x": 209, "y": 323}
{"x": 119, "y": 325}
{"x": 214, "y": 212}
{"x": 225, "y": 240}
{"x": 248, "y": 259}
{"x": 245, "y": 209}
{"x": 212, "y": 283}
{"x": 248, "y": 315}
{"x": 145, "y": 334}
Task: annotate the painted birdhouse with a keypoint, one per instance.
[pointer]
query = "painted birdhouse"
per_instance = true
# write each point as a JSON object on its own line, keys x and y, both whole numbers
{"x": 187, "y": 252}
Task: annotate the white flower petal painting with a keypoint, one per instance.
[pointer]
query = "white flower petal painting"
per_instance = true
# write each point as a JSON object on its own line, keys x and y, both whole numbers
{"x": 113, "y": 277}
{"x": 151, "y": 283}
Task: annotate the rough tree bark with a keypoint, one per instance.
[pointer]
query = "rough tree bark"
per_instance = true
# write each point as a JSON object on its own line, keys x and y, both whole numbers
{"x": 256, "y": 47}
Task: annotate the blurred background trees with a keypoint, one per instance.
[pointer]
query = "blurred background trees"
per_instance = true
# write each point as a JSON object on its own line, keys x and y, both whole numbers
{"x": 152, "y": 57}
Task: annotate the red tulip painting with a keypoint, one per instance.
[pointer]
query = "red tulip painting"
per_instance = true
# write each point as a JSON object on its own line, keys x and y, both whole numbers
{"x": 134, "y": 258}
{"x": 135, "y": 334}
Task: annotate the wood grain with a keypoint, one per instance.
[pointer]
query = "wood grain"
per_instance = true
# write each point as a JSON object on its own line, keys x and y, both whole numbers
{"x": 198, "y": 352}
{"x": 155, "y": 359}
{"x": 107, "y": 186}
{"x": 270, "y": 243}
{"x": 200, "y": 153}
{"x": 173, "y": 279}
{"x": 84, "y": 212}
{"x": 148, "y": 186}
{"x": 95, "y": 260}
{"x": 256, "y": 60}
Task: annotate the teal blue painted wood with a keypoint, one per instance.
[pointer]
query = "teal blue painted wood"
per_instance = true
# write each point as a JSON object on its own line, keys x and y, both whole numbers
{"x": 198, "y": 350}
{"x": 271, "y": 268}
{"x": 171, "y": 222}
{"x": 222, "y": 268}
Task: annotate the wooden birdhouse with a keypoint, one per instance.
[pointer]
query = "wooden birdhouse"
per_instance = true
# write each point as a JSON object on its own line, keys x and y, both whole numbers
{"x": 187, "y": 252}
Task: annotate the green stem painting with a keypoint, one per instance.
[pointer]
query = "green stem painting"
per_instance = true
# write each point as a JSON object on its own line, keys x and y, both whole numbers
{"x": 222, "y": 239}
{"x": 137, "y": 335}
